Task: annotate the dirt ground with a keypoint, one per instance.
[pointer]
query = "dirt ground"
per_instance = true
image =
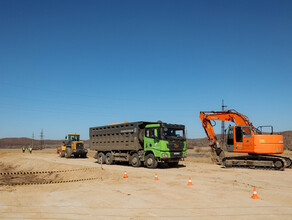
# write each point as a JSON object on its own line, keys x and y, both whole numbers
{"x": 217, "y": 192}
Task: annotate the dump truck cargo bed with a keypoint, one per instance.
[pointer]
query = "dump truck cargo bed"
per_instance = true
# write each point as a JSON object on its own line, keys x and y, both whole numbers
{"x": 125, "y": 136}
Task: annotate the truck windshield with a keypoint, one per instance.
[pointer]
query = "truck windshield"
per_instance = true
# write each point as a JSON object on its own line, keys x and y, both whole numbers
{"x": 173, "y": 133}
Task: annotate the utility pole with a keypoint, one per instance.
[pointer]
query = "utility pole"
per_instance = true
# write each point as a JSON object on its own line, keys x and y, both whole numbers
{"x": 42, "y": 138}
{"x": 32, "y": 140}
{"x": 223, "y": 124}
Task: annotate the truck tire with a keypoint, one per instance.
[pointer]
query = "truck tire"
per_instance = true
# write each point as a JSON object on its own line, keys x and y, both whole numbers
{"x": 101, "y": 158}
{"x": 62, "y": 154}
{"x": 150, "y": 161}
{"x": 135, "y": 160}
{"x": 68, "y": 153}
{"x": 109, "y": 158}
{"x": 173, "y": 164}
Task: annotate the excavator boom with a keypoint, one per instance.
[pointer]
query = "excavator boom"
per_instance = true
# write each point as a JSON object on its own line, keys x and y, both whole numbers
{"x": 228, "y": 115}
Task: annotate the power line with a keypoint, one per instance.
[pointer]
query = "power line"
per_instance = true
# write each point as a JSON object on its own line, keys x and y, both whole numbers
{"x": 42, "y": 138}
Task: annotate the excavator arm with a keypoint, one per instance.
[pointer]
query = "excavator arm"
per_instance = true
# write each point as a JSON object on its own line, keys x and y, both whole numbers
{"x": 228, "y": 115}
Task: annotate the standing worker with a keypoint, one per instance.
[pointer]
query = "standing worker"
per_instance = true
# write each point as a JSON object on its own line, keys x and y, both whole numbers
{"x": 23, "y": 149}
{"x": 30, "y": 149}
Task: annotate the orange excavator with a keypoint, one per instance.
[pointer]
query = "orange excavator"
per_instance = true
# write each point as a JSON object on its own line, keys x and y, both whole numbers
{"x": 260, "y": 146}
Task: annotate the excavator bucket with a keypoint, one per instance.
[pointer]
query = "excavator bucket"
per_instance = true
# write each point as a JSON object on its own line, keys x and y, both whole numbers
{"x": 217, "y": 155}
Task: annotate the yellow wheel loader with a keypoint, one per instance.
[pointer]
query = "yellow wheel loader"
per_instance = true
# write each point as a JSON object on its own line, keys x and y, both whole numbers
{"x": 73, "y": 147}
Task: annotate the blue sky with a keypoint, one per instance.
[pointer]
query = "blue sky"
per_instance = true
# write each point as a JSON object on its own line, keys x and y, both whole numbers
{"x": 69, "y": 65}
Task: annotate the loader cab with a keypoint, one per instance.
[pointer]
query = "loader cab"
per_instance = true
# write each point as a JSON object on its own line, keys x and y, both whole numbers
{"x": 236, "y": 136}
{"x": 72, "y": 137}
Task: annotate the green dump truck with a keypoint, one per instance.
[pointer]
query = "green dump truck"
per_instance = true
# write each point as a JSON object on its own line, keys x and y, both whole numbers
{"x": 139, "y": 142}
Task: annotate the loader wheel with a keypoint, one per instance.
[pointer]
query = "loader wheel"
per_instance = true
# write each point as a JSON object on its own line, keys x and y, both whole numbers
{"x": 109, "y": 158}
{"x": 135, "y": 160}
{"x": 150, "y": 161}
{"x": 68, "y": 153}
{"x": 83, "y": 155}
{"x": 101, "y": 158}
{"x": 62, "y": 154}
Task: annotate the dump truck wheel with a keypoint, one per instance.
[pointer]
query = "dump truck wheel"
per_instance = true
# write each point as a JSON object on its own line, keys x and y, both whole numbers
{"x": 62, "y": 154}
{"x": 135, "y": 160}
{"x": 68, "y": 153}
{"x": 109, "y": 158}
{"x": 173, "y": 164}
{"x": 150, "y": 161}
{"x": 84, "y": 155}
{"x": 101, "y": 158}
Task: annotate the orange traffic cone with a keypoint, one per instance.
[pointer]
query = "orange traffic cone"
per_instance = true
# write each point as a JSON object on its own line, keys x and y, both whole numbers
{"x": 156, "y": 177}
{"x": 190, "y": 182}
{"x": 255, "y": 195}
{"x": 125, "y": 175}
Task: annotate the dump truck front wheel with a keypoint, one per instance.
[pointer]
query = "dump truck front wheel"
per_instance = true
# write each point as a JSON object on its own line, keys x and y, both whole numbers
{"x": 150, "y": 161}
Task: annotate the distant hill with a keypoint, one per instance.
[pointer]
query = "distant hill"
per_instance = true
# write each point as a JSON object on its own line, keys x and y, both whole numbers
{"x": 192, "y": 143}
{"x": 19, "y": 142}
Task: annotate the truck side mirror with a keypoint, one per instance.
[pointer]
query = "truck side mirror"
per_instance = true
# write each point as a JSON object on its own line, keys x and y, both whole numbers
{"x": 66, "y": 137}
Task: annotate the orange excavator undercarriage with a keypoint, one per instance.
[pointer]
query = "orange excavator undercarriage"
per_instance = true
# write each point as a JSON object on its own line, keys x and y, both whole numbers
{"x": 259, "y": 146}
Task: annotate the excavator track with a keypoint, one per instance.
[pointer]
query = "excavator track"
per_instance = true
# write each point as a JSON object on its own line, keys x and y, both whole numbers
{"x": 287, "y": 159}
{"x": 257, "y": 161}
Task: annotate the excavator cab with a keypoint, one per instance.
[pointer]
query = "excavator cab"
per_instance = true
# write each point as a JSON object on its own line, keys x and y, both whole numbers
{"x": 230, "y": 139}
{"x": 238, "y": 138}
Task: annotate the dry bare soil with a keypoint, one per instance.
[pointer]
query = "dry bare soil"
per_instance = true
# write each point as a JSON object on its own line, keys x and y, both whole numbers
{"x": 217, "y": 192}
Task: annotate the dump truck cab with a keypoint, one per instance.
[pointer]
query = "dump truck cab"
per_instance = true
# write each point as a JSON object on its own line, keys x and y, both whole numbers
{"x": 73, "y": 146}
{"x": 167, "y": 142}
